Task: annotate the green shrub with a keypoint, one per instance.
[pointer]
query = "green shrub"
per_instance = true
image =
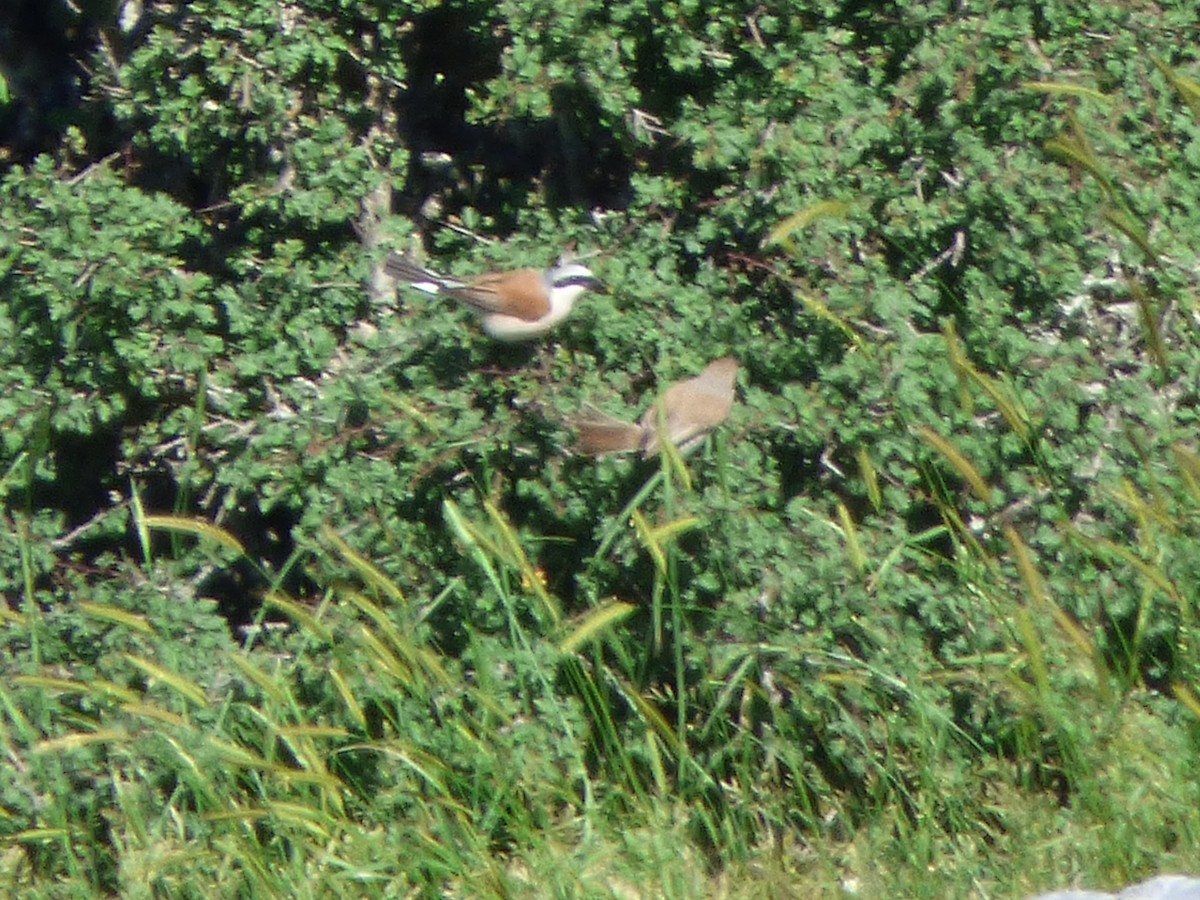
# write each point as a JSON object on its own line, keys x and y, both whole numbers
{"x": 307, "y": 593}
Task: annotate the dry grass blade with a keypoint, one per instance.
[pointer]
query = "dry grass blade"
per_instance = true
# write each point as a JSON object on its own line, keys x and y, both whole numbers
{"x": 870, "y": 478}
{"x": 273, "y": 687}
{"x": 857, "y": 558}
{"x": 416, "y": 659}
{"x": 959, "y": 462}
{"x": 531, "y": 579}
{"x": 116, "y": 616}
{"x": 300, "y": 615}
{"x": 1077, "y": 152}
{"x": 782, "y": 233}
{"x": 155, "y": 713}
{"x": 1188, "y": 464}
{"x": 187, "y": 689}
{"x": 352, "y": 705}
{"x": 1058, "y": 88}
{"x": 650, "y": 541}
{"x": 1187, "y": 88}
{"x": 1034, "y": 584}
{"x": 820, "y": 310}
{"x": 198, "y": 528}
{"x": 1185, "y": 696}
{"x": 367, "y": 570}
{"x": 97, "y": 687}
{"x": 82, "y": 739}
{"x": 1151, "y": 325}
{"x": 593, "y": 624}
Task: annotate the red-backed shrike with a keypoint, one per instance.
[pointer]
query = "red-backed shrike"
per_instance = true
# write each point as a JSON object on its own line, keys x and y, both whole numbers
{"x": 688, "y": 409}
{"x": 513, "y": 306}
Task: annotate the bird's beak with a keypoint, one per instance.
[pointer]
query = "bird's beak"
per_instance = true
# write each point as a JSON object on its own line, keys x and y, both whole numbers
{"x": 597, "y": 286}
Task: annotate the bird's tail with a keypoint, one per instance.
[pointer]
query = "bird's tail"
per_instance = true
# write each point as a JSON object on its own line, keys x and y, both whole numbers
{"x": 404, "y": 269}
{"x": 600, "y": 433}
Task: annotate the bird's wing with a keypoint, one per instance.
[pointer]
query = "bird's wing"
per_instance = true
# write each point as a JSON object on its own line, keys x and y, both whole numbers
{"x": 521, "y": 294}
{"x": 684, "y": 424}
{"x": 693, "y": 407}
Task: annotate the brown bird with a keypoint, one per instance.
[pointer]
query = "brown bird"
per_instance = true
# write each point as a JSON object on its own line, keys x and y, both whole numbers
{"x": 689, "y": 409}
{"x": 513, "y": 306}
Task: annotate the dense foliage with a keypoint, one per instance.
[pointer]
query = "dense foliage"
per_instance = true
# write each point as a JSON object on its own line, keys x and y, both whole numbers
{"x": 307, "y": 591}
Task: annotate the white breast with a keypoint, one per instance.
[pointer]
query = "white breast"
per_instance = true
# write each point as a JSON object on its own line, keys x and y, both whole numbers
{"x": 510, "y": 328}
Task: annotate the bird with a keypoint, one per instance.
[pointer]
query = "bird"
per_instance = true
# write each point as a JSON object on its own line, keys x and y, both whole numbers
{"x": 689, "y": 409}
{"x": 519, "y": 305}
